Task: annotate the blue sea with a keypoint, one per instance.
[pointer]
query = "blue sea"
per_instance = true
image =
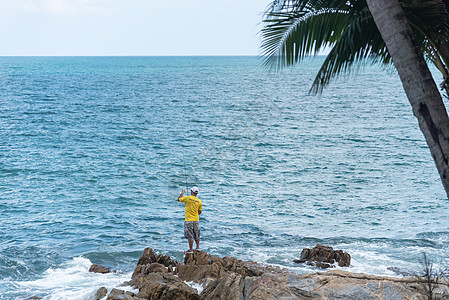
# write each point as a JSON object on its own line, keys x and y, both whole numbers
{"x": 94, "y": 152}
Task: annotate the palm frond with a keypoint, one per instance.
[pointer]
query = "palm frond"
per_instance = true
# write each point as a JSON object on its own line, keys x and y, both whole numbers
{"x": 295, "y": 29}
{"x": 359, "y": 41}
{"x": 290, "y": 36}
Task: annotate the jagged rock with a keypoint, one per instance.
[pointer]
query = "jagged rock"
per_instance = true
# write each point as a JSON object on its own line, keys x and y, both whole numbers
{"x": 324, "y": 257}
{"x": 164, "y": 286}
{"x": 117, "y": 294}
{"x": 229, "y": 287}
{"x": 228, "y": 278}
{"x": 99, "y": 269}
{"x": 154, "y": 279}
{"x": 101, "y": 293}
{"x": 149, "y": 256}
{"x": 209, "y": 266}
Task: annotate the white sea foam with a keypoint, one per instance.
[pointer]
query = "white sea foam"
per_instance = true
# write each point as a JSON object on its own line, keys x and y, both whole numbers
{"x": 198, "y": 287}
{"x": 73, "y": 281}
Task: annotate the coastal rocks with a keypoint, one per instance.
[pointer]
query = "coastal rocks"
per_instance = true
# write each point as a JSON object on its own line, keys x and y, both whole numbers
{"x": 99, "y": 269}
{"x": 154, "y": 277}
{"x": 204, "y": 277}
{"x": 219, "y": 276}
{"x": 324, "y": 257}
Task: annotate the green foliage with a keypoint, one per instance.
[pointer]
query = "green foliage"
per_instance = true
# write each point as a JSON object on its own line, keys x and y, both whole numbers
{"x": 294, "y": 29}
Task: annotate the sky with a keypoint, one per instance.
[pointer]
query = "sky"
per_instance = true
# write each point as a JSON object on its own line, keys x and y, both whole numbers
{"x": 130, "y": 27}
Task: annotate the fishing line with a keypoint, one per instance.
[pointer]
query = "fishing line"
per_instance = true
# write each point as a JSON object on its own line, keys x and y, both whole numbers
{"x": 185, "y": 170}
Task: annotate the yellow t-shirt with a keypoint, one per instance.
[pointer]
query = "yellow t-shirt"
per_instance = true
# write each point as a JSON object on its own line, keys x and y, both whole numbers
{"x": 193, "y": 204}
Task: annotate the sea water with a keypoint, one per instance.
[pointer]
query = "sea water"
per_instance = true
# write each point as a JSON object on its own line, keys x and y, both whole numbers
{"x": 94, "y": 152}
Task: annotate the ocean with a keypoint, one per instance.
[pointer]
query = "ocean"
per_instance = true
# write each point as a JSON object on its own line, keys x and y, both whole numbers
{"x": 94, "y": 152}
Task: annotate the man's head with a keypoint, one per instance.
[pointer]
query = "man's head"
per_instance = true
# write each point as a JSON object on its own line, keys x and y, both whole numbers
{"x": 194, "y": 191}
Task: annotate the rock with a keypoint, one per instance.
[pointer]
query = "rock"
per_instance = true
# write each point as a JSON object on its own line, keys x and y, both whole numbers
{"x": 338, "y": 284}
{"x": 99, "y": 269}
{"x": 324, "y": 257}
{"x": 101, "y": 293}
{"x": 154, "y": 281}
{"x": 157, "y": 268}
{"x": 149, "y": 256}
{"x": 164, "y": 286}
{"x": 198, "y": 273}
{"x": 229, "y": 287}
{"x": 229, "y": 278}
{"x": 117, "y": 294}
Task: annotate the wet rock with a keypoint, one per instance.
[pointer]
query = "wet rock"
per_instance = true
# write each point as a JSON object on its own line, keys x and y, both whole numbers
{"x": 101, "y": 293}
{"x": 99, "y": 269}
{"x": 324, "y": 257}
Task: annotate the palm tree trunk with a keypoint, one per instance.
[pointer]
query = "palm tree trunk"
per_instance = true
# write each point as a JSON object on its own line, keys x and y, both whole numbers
{"x": 417, "y": 81}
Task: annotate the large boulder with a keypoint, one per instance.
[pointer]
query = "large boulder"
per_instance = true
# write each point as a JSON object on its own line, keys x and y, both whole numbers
{"x": 324, "y": 257}
{"x": 100, "y": 293}
{"x": 99, "y": 269}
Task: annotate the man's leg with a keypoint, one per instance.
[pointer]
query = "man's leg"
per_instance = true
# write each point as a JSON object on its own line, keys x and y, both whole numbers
{"x": 197, "y": 244}
{"x": 188, "y": 234}
{"x": 196, "y": 234}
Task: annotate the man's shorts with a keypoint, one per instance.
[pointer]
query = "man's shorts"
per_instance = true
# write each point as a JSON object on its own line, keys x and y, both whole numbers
{"x": 192, "y": 230}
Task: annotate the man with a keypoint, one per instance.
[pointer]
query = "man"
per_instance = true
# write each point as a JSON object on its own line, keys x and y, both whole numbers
{"x": 193, "y": 210}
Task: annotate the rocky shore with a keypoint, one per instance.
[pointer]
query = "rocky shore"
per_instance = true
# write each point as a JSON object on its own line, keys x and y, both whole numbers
{"x": 203, "y": 276}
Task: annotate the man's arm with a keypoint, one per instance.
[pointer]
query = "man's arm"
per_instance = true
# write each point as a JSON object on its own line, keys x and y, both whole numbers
{"x": 199, "y": 211}
{"x": 179, "y": 197}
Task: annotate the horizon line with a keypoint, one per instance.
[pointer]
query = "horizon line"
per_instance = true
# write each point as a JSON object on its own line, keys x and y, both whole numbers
{"x": 131, "y": 55}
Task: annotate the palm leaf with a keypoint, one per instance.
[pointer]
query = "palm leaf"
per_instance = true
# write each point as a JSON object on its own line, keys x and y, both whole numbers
{"x": 295, "y": 29}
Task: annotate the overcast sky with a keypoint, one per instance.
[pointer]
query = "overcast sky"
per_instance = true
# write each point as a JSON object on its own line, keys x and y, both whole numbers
{"x": 130, "y": 27}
